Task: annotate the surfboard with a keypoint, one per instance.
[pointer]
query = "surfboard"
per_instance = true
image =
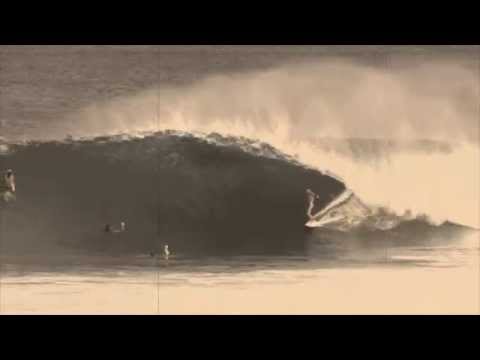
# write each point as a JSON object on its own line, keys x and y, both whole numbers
{"x": 346, "y": 210}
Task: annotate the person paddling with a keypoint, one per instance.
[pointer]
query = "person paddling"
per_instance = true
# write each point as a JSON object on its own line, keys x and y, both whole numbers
{"x": 7, "y": 186}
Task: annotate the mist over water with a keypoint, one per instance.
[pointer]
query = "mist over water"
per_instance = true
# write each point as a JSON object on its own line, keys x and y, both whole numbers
{"x": 436, "y": 100}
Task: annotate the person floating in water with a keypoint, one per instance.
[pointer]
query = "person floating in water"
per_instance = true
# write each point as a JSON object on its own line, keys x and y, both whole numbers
{"x": 7, "y": 186}
{"x": 109, "y": 229}
{"x": 311, "y": 196}
{"x": 166, "y": 252}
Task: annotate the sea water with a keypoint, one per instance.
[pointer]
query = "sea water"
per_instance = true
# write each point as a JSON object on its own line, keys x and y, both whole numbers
{"x": 403, "y": 280}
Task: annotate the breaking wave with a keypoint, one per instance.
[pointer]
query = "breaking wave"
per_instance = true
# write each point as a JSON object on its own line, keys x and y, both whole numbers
{"x": 230, "y": 193}
{"x": 404, "y": 136}
{"x": 200, "y": 194}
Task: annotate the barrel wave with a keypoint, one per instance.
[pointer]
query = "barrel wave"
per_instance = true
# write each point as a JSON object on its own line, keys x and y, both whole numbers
{"x": 198, "y": 194}
{"x": 208, "y": 194}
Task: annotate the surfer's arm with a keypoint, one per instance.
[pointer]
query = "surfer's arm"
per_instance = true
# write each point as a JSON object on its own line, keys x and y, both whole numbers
{"x": 12, "y": 184}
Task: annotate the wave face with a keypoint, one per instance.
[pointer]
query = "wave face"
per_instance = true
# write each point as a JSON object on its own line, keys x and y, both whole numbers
{"x": 213, "y": 194}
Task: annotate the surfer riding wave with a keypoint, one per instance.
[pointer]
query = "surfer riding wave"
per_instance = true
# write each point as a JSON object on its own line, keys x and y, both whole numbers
{"x": 311, "y": 196}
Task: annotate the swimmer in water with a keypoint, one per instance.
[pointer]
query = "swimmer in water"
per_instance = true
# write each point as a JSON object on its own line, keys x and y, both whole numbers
{"x": 7, "y": 186}
{"x": 166, "y": 252}
{"x": 108, "y": 228}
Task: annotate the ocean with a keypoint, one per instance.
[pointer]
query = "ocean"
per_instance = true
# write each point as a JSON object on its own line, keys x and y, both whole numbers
{"x": 209, "y": 150}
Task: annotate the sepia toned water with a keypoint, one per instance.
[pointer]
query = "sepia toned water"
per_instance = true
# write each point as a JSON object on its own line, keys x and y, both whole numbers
{"x": 289, "y": 97}
{"x": 406, "y": 280}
